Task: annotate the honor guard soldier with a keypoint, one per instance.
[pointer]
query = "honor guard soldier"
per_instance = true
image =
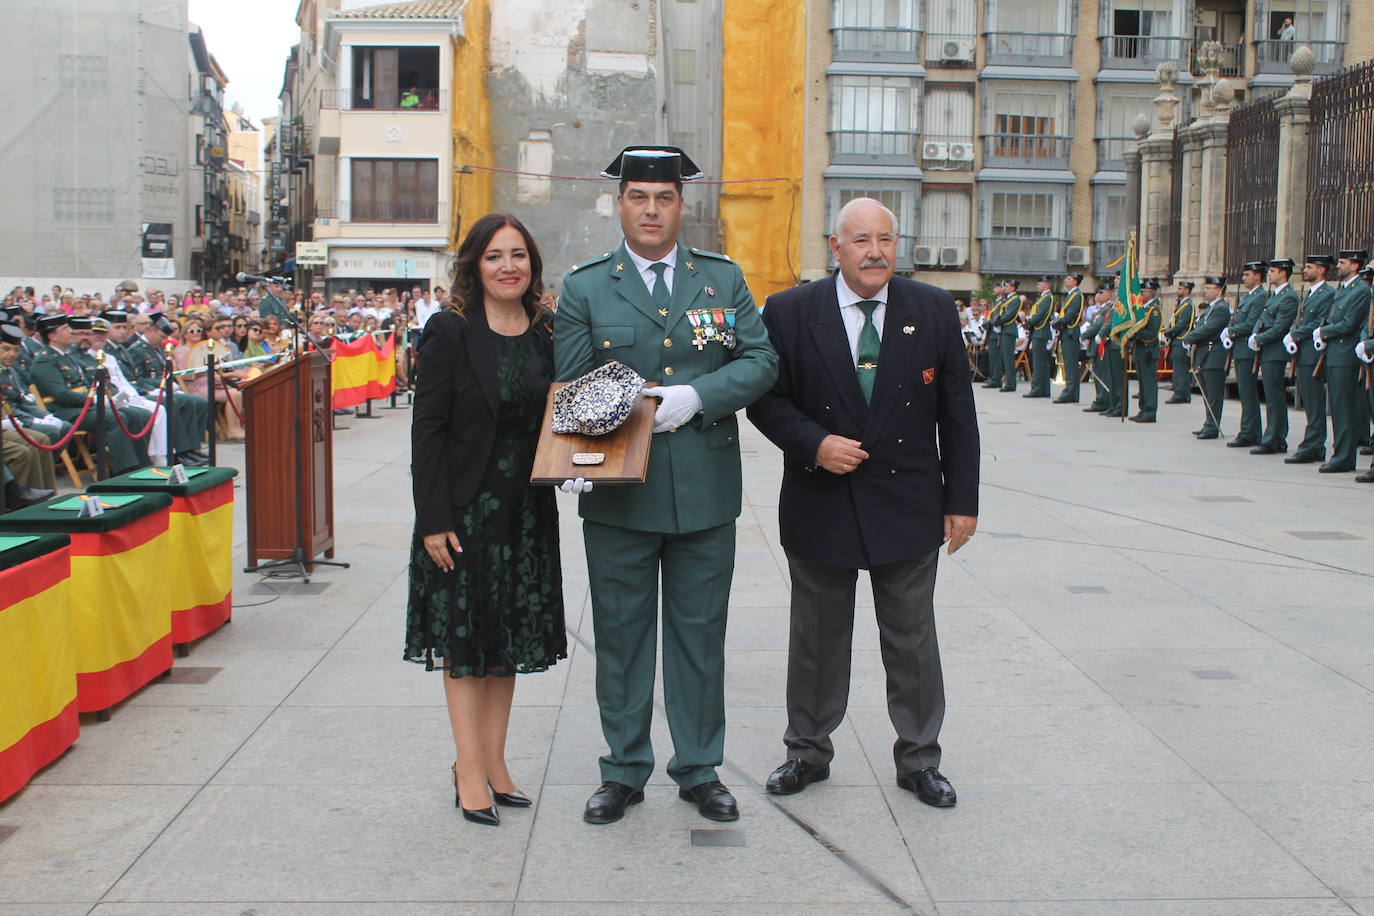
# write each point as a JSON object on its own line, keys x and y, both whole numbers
{"x": 1144, "y": 343}
{"x": 1041, "y": 339}
{"x": 1247, "y": 312}
{"x": 190, "y": 413}
{"x": 684, "y": 318}
{"x": 1092, "y": 339}
{"x": 1312, "y": 314}
{"x": 1006, "y": 324}
{"x": 1273, "y": 324}
{"x": 1362, "y": 437}
{"x": 15, "y": 390}
{"x": 1068, "y": 325}
{"x": 1337, "y": 340}
{"x": 1365, "y": 351}
{"x": 30, "y": 348}
{"x": 1118, "y": 391}
{"x": 994, "y": 337}
{"x": 65, "y": 386}
{"x": 1209, "y": 355}
{"x": 117, "y": 341}
{"x": 1185, "y": 316}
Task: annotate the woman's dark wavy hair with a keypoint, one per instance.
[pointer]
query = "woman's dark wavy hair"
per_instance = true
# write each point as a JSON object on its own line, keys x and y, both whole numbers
{"x": 467, "y": 277}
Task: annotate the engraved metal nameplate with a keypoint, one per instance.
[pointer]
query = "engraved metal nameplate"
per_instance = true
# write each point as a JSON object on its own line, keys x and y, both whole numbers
{"x": 587, "y": 458}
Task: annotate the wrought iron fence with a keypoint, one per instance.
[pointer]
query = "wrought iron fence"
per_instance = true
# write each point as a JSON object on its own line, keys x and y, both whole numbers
{"x": 1176, "y": 208}
{"x": 1252, "y": 181}
{"x": 1340, "y": 161}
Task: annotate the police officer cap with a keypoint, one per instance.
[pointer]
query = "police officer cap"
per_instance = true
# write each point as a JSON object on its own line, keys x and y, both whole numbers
{"x": 10, "y": 334}
{"x": 1214, "y": 281}
{"x": 52, "y": 322}
{"x": 653, "y": 163}
{"x": 1149, "y": 283}
{"x": 100, "y": 325}
{"x": 13, "y": 311}
{"x": 1355, "y": 254}
{"x": 163, "y": 325}
{"x": 1045, "y": 278}
{"x": 1285, "y": 264}
{"x": 1186, "y": 283}
{"x": 1256, "y": 266}
{"x": 115, "y": 316}
{"x": 1014, "y": 284}
{"x": 1325, "y": 260}
{"x": 80, "y": 324}
{"x": 1077, "y": 276}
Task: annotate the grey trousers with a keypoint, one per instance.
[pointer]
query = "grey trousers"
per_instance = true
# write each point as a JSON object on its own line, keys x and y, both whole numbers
{"x": 818, "y": 657}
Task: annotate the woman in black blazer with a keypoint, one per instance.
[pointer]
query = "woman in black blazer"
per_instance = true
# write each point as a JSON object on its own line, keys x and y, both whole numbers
{"x": 486, "y": 595}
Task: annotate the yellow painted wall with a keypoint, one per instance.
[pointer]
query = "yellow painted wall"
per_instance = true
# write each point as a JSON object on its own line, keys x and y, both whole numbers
{"x": 764, "y": 45}
{"x": 471, "y": 120}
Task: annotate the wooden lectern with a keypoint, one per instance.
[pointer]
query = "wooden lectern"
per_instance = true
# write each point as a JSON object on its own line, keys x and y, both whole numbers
{"x": 288, "y": 415}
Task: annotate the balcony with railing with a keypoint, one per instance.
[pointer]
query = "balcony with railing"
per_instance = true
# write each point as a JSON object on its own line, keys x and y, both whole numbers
{"x": 1142, "y": 52}
{"x": 1111, "y": 153}
{"x": 1106, "y": 252}
{"x": 382, "y": 211}
{"x": 877, "y": 45}
{"x": 390, "y": 100}
{"x": 873, "y": 147}
{"x": 1029, "y": 49}
{"x": 1272, "y": 55}
{"x": 1022, "y": 256}
{"x": 1232, "y": 59}
{"x": 1025, "y": 151}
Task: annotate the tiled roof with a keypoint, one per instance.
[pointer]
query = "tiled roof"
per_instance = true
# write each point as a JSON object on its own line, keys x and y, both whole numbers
{"x": 407, "y": 9}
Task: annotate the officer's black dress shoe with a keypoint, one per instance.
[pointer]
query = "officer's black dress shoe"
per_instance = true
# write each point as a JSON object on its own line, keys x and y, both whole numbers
{"x": 1366, "y": 477}
{"x": 1035, "y": 395}
{"x": 1238, "y": 442}
{"x": 1141, "y": 418}
{"x": 1176, "y": 401}
{"x": 930, "y": 787}
{"x": 1064, "y": 401}
{"x": 19, "y": 496}
{"x": 794, "y": 775}
{"x": 1329, "y": 468}
{"x": 1092, "y": 409}
{"x": 1265, "y": 450}
{"x": 607, "y": 804}
{"x": 1208, "y": 436}
{"x": 1005, "y": 388}
{"x": 1302, "y": 458}
{"x": 992, "y": 385}
{"x": 198, "y": 453}
{"x": 191, "y": 461}
{"x": 713, "y": 801}
{"x": 1367, "y": 449}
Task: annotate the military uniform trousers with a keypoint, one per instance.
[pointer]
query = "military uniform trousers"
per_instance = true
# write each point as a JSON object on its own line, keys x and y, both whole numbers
{"x": 818, "y": 657}
{"x": 1071, "y": 351}
{"x": 1009, "y": 357}
{"x": 31, "y": 466}
{"x": 1272, "y": 375}
{"x": 190, "y": 416}
{"x": 1114, "y": 378}
{"x": 623, "y": 570}
{"x": 1366, "y": 408}
{"x": 1347, "y": 404}
{"x": 994, "y": 344}
{"x": 1146, "y": 362}
{"x": 1312, "y": 391}
{"x": 125, "y": 454}
{"x": 1247, "y": 389}
{"x": 1213, "y": 384}
{"x": 1101, "y": 394}
{"x": 1042, "y": 361}
{"x": 1180, "y": 365}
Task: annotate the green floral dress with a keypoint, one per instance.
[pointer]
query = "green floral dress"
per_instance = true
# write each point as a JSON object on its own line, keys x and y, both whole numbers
{"x": 500, "y": 610}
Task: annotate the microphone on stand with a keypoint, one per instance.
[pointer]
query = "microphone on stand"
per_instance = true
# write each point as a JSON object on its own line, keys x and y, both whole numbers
{"x": 255, "y": 278}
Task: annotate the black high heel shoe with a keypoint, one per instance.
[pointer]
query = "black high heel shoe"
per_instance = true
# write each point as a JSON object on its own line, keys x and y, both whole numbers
{"x": 516, "y": 799}
{"x": 487, "y": 817}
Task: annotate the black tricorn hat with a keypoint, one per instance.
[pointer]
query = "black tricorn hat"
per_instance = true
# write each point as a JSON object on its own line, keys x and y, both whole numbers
{"x": 162, "y": 324}
{"x": 1355, "y": 254}
{"x": 51, "y": 322}
{"x": 1188, "y": 283}
{"x": 11, "y": 334}
{"x": 81, "y": 324}
{"x": 1149, "y": 283}
{"x": 13, "y": 311}
{"x": 1256, "y": 266}
{"x": 1283, "y": 264}
{"x": 653, "y": 163}
{"x": 1012, "y": 282}
{"x": 1325, "y": 260}
{"x": 1077, "y": 276}
{"x": 1215, "y": 281}
{"x": 115, "y": 316}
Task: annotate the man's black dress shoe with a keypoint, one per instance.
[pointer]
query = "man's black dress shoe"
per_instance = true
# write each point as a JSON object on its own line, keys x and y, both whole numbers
{"x": 930, "y": 787}
{"x": 1005, "y": 388}
{"x": 1302, "y": 458}
{"x": 1035, "y": 395}
{"x": 992, "y": 385}
{"x": 190, "y": 460}
{"x": 607, "y": 804}
{"x": 1208, "y": 436}
{"x": 1141, "y": 418}
{"x": 1367, "y": 449}
{"x": 1176, "y": 401}
{"x": 1238, "y": 442}
{"x": 1264, "y": 450}
{"x": 794, "y": 775}
{"x": 199, "y": 453}
{"x": 1092, "y": 409}
{"x": 516, "y": 799}
{"x": 19, "y": 496}
{"x": 1366, "y": 477}
{"x": 1329, "y": 468}
{"x": 713, "y": 801}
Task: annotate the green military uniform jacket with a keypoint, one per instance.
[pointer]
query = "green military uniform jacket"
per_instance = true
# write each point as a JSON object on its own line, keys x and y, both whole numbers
{"x": 28, "y": 352}
{"x": 1097, "y": 328}
{"x": 1039, "y": 321}
{"x": 1185, "y": 314}
{"x": 1070, "y": 315}
{"x": 62, "y": 380}
{"x": 1247, "y": 313}
{"x": 1204, "y": 338}
{"x": 1349, "y": 317}
{"x": 1006, "y": 311}
{"x": 145, "y": 365}
{"x": 1315, "y": 310}
{"x": 18, "y": 396}
{"x": 605, "y": 313}
{"x": 1280, "y": 309}
{"x": 1146, "y": 337}
{"x": 120, "y": 352}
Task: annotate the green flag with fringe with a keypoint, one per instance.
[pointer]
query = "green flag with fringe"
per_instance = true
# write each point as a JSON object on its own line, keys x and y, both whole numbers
{"x": 1128, "y": 313}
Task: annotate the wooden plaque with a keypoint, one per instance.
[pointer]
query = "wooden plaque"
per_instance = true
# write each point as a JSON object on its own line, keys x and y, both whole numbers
{"x": 626, "y": 450}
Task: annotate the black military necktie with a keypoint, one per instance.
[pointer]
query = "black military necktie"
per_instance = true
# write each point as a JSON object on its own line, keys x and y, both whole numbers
{"x": 660, "y": 293}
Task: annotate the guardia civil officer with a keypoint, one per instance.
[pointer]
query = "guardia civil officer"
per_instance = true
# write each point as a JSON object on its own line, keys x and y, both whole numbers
{"x": 1118, "y": 391}
{"x": 1041, "y": 338}
{"x": 994, "y": 337}
{"x": 1006, "y": 324}
{"x": 1093, "y": 336}
{"x": 1068, "y": 325}
{"x": 1144, "y": 344}
{"x": 1185, "y": 316}
{"x": 1312, "y": 314}
{"x": 1273, "y": 324}
{"x": 1210, "y": 355}
{"x": 1247, "y": 312}
{"x": 684, "y": 318}
{"x": 1337, "y": 339}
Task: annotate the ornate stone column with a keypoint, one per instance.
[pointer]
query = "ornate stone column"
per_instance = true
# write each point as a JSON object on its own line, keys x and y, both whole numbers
{"x": 1141, "y": 128}
{"x": 1212, "y": 199}
{"x": 1295, "y": 119}
{"x": 1156, "y": 179}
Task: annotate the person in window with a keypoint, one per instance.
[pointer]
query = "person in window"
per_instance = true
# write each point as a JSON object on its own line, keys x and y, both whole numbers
{"x": 410, "y": 98}
{"x": 486, "y": 595}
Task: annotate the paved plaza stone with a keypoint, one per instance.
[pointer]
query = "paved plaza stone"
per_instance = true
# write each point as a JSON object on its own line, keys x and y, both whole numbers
{"x": 1159, "y": 657}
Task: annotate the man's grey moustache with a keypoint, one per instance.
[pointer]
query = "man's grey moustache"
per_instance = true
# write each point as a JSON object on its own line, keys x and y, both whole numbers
{"x": 880, "y": 262}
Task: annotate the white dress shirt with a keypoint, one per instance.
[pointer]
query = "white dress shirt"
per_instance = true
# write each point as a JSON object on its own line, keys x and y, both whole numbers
{"x": 853, "y": 316}
{"x": 424, "y": 310}
{"x": 643, "y": 266}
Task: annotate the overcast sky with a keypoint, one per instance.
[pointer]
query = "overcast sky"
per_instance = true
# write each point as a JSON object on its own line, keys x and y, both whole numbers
{"x": 250, "y": 39}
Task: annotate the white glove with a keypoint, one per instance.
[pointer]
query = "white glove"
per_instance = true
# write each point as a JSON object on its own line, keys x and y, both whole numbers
{"x": 1187, "y": 348}
{"x": 1363, "y": 352}
{"x": 1226, "y": 338}
{"x": 577, "y": 485}
{"x": 1049, "y": 344}
{"x": 1289, "y": 344}
{"x": 677, "y": 404}
{"x": 1317, "y": 341}
{"x": 1253, "y": 342}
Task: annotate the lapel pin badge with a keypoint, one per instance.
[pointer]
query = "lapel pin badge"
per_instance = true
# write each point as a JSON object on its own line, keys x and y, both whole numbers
{"x": 909, "y": 329}
{"x": 927, "y": 376}
{"x": 710, "y": 291}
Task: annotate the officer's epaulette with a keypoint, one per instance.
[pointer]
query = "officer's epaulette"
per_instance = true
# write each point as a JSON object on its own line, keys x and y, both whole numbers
{"x": 583, "y": 265}
{"x": 701, "y": 253}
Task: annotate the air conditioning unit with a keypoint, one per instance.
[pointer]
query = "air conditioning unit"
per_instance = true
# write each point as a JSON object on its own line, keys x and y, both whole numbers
{"x": 924, "y": 255}
{"x": 961, "y": 152}
{"x": 1079, "y": 255}
{"x": 953, "y": 256}
{"x": 960, "y": 49}
{"x": 938, "y": 151}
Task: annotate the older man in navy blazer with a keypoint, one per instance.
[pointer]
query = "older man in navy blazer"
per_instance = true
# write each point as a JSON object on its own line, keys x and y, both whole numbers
{"x": 873, "y": 410}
